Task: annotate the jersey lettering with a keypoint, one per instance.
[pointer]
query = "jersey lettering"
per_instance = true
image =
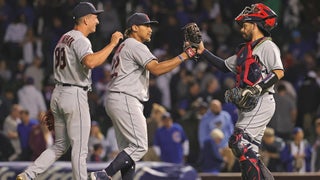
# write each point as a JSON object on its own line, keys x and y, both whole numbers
{"x": 116, "y": 61}
{"x": 60, "y": 57}
{"x": 66, "y": 39}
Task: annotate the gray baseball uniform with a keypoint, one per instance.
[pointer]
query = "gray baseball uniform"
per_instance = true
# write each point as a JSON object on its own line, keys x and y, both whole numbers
{"x": 128, "y": 88}
{"x": 255, "y": 121}
{"x": 69, "y": 105}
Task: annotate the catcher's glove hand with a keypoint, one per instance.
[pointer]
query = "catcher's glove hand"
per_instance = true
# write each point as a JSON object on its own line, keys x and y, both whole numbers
{"x": 192, "y": 39}
{"x": 48, "y": 120}
{"x": 245, "y": 99}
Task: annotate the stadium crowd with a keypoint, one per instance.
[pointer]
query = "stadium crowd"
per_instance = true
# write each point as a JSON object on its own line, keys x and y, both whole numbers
{"x": 189, "y": 99}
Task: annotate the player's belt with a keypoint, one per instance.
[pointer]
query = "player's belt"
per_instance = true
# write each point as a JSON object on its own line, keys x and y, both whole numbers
{"x": 86, "y": 88}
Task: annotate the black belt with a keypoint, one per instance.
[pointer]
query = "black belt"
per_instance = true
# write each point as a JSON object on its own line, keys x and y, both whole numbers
{"x": 86, "y": 88}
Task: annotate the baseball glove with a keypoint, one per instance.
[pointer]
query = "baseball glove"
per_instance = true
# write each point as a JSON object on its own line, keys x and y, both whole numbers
{"x": 48, "y": 120}
{"x": 192, "y": 38}
{"x": 245, "y": 99}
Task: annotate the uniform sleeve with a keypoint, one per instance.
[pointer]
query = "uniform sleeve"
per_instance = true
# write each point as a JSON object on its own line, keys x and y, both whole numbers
{"x": 270, "y": 56}
{"x": 231, "y": 63}
{"x": 82, "y": 47}
{"x": 142, "y": 55}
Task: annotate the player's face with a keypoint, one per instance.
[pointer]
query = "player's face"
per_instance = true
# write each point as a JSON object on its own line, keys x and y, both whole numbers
{"x": 247, "y": 31}
{"x": 92, "y": 22}
{"x": 144, "y": 32}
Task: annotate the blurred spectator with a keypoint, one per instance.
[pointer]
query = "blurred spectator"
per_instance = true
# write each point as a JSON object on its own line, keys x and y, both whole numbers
{"x": 299, "y": 45}
{"x": 296, "y": 155}
{"x": 153, "y": 123}
{"x": 24, "y": 129}
{"x": 6, "y": 149}
{"x": 215, "y": 118}
{"x": 96, "y": 137}
{"x": 111, "y": 144}
{"x": 291, "y": 92}
{"x": 271, "y": 146}
{"x": 170, "y": 142}
{"x": 211, "y": 159}
{"x": 155, "y": 96}
{"x": 190, "y": 123}
{"x": 163, "y": 84}
{"x": 111, "y": 22}
{"x": 5, "y": 73}
{"x": 7, "y": 99}
{"x": 205, "y": 34}
{"x": 192, "y": 94}
{"x": 315, "y": 159}
{"x": 292, "y": 13}
{"x": 213, "y": 91}
{"x": 10, "y": 130}
{"x": 36, "y": 72}
{"x": 220, "y": 30}
{"x": 102, "y": 82}
{"x": 30, "y": 47}
{"x": 40, "y": 139}
{"x": 97, "y": 153}
{"x": 308, "y": 102}
{"x": 179, "y": 85}
{"x": 31, "y": 99}
{"x": 13, "y": 39}
{"x": 284, "y": 118}
{"x": 27, "y": 10}
{"x": 5, "y": 17}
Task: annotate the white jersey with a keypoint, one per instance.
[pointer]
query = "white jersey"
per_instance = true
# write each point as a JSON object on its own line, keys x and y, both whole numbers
{"x": 129, "y": 73}
{"x": 268, "y": 54}
{"x": 68, "y": 54}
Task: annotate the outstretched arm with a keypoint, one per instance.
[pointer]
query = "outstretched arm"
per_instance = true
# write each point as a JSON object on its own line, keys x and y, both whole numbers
{"x": 212, "y": 59}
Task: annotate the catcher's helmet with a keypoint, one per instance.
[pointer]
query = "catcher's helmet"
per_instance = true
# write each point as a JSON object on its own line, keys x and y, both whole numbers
{"x": 262, "y": 15}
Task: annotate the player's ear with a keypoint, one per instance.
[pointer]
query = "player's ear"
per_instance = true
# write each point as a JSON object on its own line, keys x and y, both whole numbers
{"x": 134, "y": 28}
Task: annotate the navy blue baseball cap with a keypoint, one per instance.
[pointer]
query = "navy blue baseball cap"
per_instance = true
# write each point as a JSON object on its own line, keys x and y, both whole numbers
{"x": 84, "y": 8}
{"x": 139, "y": 19}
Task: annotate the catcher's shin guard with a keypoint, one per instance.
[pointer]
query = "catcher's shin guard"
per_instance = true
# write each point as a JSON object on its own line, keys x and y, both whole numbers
{"x": 249, "y": 165}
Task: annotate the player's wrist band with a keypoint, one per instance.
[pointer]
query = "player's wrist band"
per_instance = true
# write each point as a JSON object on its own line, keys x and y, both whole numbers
{"x": 181, "y": 58}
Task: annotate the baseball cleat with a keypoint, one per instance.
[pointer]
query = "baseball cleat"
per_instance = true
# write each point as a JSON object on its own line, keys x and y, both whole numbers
{"x": 23, "y": 176}
{"x": 99, "y": 175}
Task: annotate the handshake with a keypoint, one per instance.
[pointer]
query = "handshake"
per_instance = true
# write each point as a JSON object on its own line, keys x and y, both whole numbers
{"x": 193, "y": 45}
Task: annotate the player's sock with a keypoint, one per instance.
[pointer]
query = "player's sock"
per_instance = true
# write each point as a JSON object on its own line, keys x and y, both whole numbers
{"x": 128, "y": 173}
{"x": 122, "y": 161}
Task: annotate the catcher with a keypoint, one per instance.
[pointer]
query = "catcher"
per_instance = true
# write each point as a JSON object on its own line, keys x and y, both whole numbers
{"x": 258, "y": 67}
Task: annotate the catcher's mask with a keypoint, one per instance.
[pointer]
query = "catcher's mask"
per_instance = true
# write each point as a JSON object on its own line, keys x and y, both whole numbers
{"x": 262, "y": 15}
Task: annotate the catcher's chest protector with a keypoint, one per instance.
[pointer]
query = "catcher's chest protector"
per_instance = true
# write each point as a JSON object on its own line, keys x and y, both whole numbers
{"x": 248, "y": 66}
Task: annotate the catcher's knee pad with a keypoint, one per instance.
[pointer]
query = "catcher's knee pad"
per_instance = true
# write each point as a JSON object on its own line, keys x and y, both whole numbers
{"x": 235, "y": 144}
{"x": 250, "y": 166}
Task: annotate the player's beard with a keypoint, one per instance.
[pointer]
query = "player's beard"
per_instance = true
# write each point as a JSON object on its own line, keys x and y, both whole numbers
{"x": 247, "y": 36}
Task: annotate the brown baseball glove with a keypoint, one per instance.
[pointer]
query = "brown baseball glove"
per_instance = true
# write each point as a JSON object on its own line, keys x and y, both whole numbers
{"x": 192, "y": 38}
{"x": 48, "y": 120}
{"x": 244, "y": 98}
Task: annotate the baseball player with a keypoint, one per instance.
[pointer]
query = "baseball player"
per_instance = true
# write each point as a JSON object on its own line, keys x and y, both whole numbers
{"x": 131, "y": 66}
{"x": 258, "y": 67}
{"x": 73, "y": 61}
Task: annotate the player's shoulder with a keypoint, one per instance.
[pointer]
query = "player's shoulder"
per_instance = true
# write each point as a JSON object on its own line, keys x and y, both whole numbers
{"x": 133, "y": 43}
{"x": 268, "y": 45}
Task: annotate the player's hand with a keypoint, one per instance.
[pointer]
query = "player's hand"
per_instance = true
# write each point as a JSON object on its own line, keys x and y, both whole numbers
{"x": 254, "y": 90}
{"x": 115, "y": 38}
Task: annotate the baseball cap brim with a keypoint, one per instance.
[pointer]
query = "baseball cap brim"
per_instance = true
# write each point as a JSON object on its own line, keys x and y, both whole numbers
{"x": 139, "y": 19}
